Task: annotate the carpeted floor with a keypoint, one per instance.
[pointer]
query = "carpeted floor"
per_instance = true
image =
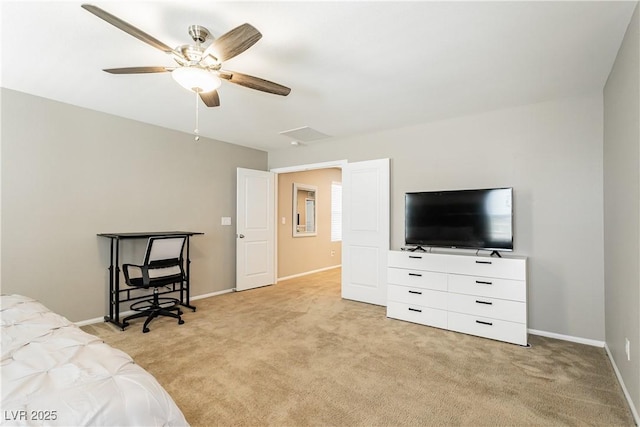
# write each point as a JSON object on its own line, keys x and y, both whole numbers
{"x": 296, "y": 354}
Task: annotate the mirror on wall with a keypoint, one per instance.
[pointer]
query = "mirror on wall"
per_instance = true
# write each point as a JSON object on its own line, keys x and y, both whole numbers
{"x": 304, "y": 210}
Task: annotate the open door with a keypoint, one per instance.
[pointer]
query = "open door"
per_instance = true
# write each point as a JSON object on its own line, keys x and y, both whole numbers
{"x": 255, "y": 235}
{"x": 365, "y": 231}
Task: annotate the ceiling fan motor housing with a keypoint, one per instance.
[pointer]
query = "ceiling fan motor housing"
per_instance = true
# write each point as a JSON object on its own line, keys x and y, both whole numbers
{"x": 198, "y": 33}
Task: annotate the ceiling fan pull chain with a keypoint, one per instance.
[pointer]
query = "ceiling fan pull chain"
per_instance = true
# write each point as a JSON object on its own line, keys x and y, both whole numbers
{"x": 197, "y": 137}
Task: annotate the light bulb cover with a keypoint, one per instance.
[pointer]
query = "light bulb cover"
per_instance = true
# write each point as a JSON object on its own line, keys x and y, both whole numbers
{"x": 196, "y": 79}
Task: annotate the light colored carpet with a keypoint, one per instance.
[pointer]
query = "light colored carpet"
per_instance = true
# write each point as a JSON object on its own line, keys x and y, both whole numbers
{"x": 296, "y": 354}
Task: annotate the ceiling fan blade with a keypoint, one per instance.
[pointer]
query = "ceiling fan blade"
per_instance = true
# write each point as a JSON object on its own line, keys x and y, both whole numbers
{"x": 233, "y": 43}
{"x": 211, "y": 99}
{"x": 138, "y": 70}
{"x": 127, "y": 28}
{"x": 255, "y": 83}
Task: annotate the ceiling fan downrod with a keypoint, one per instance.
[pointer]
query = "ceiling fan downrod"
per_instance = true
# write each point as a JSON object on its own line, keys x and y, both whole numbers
{"x": 197, "y": 135}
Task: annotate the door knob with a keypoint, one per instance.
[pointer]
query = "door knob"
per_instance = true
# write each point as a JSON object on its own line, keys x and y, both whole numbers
{"x": 241, "y": 236}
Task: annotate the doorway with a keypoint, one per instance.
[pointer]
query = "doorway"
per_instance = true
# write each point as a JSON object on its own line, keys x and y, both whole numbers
{"x": 365, "y": 227}
{"x": 304, "y": 193}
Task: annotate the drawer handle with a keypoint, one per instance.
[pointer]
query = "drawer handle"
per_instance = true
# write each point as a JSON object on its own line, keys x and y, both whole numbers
{"x": 415, "y": 309}
{"x": 415, "y": 257}
{"x": 415, "y": 274}
{"x": 483, "y": 262}
{"x": 484, "y": 323}
{"x": 484, "y": 302}
{"x": 480, "y": 282}
{"x": 415, "y": 292}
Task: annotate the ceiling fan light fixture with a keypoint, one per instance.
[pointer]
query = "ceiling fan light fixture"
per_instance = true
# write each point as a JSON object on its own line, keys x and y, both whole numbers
{"x": 196, "y": 79}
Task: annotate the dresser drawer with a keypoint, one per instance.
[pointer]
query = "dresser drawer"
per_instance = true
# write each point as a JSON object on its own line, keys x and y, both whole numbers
{"x": 513, "y": 311}
{"x": 417, "y": 314}
{"x": 417, "y": 296}
{"x": 504, "y": 268}
{"x": 418, "y": 261}
{"x": 502, "y": 330}
{"x": 417, "y": 278}
{"x": 515, "y": 290}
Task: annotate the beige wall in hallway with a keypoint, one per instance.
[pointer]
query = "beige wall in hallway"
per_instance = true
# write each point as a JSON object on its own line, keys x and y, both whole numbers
{"x": 298, "y": 255}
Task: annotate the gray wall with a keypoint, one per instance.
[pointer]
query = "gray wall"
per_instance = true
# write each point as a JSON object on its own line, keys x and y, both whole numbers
{"x": 551, "y": 153}
{"x": 69, "y": 173}
{"x": 622, "y": 208}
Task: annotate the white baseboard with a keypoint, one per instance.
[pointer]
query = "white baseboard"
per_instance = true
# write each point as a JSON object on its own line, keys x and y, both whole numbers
{"x": 101, "y": 319}
{"x": 212, "y": 294}
{"x": 128, "y": 312}
{"x": 634, "y": 410}
{"x": 90, "y": 321}
{"x": 308, "y": 272}
{"x": 587, "y": 341}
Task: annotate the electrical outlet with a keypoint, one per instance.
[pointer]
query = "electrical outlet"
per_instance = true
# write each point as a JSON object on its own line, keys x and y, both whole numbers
{"x": 627, "y": 348}
{"x": 284, "y": 220}
{"x": 333, "y": 253}
{"x": 226, "y": 220}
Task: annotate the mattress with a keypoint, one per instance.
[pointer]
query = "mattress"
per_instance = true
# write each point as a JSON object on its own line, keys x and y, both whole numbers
{"x": 53, "y": 373}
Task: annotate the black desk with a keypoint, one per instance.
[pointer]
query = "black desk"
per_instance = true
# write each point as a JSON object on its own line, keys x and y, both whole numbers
{"x": 114, "y": 273}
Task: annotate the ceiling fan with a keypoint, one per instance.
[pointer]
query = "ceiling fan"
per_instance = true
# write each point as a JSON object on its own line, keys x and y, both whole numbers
{"x": 199, "y": 68}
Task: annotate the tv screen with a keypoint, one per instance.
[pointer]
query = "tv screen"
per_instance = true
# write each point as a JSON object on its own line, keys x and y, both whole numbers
{"x": 471, "y": 219}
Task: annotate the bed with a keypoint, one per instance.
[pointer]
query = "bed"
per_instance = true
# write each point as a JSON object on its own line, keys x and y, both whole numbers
{"x": 53, "y": 373}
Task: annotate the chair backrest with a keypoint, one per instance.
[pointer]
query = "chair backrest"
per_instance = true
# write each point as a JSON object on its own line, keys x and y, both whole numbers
{"x": 164, "y": 250}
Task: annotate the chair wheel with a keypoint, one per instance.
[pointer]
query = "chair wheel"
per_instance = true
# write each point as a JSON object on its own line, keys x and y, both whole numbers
{"x": 145, "y": 330}
{"x": 180, "y": 322}
{"x": 180, "y": 313}
{"x": 124, "y": 325}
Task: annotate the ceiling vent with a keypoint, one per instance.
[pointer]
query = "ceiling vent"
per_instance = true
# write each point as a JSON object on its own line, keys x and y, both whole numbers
{"x": 304, "y": 133}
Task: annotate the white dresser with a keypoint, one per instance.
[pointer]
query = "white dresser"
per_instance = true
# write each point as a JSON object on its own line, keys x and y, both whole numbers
{"x": 477, "y": 295}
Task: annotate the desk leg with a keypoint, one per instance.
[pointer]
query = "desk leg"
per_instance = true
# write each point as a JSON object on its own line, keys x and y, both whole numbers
{"x": 110, "y": 316}
{"x": 114, "y": 285}
{"x": 117, "y": 287}
{"x": 187, "y": 285}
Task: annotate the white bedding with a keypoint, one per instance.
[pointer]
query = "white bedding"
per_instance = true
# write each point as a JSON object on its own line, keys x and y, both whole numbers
{"x": 53, "y": 373}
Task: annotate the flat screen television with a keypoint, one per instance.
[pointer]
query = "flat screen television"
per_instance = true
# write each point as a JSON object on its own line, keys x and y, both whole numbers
{"x": 466, "y": 219}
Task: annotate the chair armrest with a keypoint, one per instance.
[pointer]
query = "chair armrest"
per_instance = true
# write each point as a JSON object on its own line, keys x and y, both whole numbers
{"x": 143, "y": 272}
{"x": 126, "y": 267}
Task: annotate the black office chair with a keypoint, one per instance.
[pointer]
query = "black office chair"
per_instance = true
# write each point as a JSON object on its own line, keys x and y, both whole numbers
{"x": 163, "y": 266}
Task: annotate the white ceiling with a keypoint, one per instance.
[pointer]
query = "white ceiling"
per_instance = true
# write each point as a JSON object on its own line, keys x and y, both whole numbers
{"x": 354, "y": 67}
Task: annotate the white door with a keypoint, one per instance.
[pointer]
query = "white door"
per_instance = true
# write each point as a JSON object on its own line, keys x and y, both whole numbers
{"x": 365, "y": 232}
{"x": 255, "y": 235}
